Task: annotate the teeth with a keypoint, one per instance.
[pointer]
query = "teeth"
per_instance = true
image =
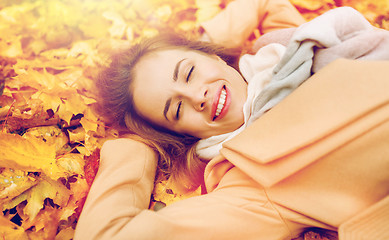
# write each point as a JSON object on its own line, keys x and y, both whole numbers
{"x": 222, "y": 100}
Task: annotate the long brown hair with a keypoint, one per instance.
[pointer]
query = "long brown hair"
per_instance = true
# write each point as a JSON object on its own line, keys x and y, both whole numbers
{"x": 176, "y": 151}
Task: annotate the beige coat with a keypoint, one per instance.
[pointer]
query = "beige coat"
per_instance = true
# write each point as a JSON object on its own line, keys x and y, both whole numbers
{"x": 233, "y": 26}
{"x": 319, "y": 158}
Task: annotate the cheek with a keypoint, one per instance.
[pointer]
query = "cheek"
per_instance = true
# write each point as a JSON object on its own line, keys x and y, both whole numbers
{"x": 211, "y": 71}
{"x": 192, "y": 123}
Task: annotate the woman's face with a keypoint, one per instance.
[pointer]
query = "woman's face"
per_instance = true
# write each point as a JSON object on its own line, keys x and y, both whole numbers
{"x": 189, "y": 92}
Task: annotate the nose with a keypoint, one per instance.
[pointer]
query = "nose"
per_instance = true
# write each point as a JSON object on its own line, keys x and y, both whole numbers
{"x": 197, "y": 98}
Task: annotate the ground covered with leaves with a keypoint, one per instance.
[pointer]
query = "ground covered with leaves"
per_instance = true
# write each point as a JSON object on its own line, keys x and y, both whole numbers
{"x": 50, "y": 137}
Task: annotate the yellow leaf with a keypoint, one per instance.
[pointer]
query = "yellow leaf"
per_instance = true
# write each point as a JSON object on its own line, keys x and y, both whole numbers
{"x": 11, "y": 48}
{"x": 79, "y": 190}
{"x": 49, "y": 100}
{"x": 65, "y": 234}
{"x": 89, "y": 122}
{"x": 72, "y": 163}
{"x": 49, "y": 134}
{"x": 97, "y": 30}
{"x": 118, "y": 27}
{"x": 45, "y": 224}
{"x": 15, "y": 201}
{"x": 36, "y": 79}
{"x": 207, "y": 9}
{"x": 13, "y": 183}
{"x": 30, "y": 154}
{"x": 164, "y": 12}
{"x": 10, "y": 231}
{"x": 46, "y": 188}
{"x": 88, "y": 100}
{"x": 76, "y": 135}
{"x": 167, "y": 193}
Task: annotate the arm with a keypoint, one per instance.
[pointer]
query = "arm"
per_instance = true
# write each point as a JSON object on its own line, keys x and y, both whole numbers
{"x": 236, "y": 22}
{"x": 117, "y": 204}
{"x": 121, "y": 190}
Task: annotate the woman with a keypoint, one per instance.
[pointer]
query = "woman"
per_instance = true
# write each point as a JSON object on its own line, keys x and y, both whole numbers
{"x": 255, "y": 192}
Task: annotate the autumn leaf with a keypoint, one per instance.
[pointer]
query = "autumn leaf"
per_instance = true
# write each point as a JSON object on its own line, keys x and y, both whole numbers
{"x": 50, "y": 135}
{"x": 45, "y": 224}
{"x": 65, "y": 234}
{"x": 9, "y": 230}
{"x": 72, "y": 163}
{"x": 30, "y": 154}
{"x": 91, "y": 166}
{"x": 47, "y": 188}
{"x": 207, "y": 9}
{"x": 89, "y": 121}
{"x": 50, "y": 54}
{"x": 13, "y": 183}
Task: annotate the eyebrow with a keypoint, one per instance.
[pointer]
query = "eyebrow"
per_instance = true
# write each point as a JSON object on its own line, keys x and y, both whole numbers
{"x": 167, "y": 105}
{"x": 176, "y": 69}
{"x": 175, "y": 76}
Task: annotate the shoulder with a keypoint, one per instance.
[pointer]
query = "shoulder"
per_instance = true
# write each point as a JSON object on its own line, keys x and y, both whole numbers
{"x": 124, "y": 144}
{"x": 127, "y": 151}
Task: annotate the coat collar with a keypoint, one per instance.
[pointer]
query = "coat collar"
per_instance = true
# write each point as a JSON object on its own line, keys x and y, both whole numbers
{"x": 340, "y": 102}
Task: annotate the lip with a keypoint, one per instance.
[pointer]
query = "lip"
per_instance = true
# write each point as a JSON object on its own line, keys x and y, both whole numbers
{"x": 216, "y": 101}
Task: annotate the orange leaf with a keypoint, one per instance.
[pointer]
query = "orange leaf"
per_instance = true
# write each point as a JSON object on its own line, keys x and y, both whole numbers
{"x": 30, "y": 154}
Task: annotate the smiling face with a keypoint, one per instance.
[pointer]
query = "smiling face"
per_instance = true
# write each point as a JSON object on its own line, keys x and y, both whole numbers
{"x": 189, "y": 92}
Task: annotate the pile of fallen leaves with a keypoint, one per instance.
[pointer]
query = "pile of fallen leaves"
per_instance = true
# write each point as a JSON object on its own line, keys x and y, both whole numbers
{"x": 50, "y": 137}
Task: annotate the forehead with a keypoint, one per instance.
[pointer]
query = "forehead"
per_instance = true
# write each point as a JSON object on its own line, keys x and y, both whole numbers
{"x": 156, "y": 68}
{"x": 153, "y": 76}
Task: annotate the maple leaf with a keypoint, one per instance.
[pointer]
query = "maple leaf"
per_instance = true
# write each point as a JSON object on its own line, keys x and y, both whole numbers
{"x": 50, "y": 135}
{"x": 50, "y": 52}
{"x": 166, "y": 192}
{"x": 9, "y": 230}
{"x": 89, "y": 121}
{"x": 45, "y": 224}
{"x": 76, "y": 135}
{"x": 13, "y": 183}
{"x": 91, "y": 166}
{"x": 65, "y": 234}
{"x": 28, "y": 154}
{"x": 79, "y": 188}
{"x": 46, "y": 188}
{"x": 72, "y": 163}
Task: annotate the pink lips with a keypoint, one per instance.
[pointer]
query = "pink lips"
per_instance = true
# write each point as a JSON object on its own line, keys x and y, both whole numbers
{"x": 216, "y": 102}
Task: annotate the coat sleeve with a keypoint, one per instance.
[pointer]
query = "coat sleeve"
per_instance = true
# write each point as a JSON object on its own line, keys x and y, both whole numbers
{"x": 117, "y": 205}
{"x": 121, "y": 189}
{"x": 236, "y": 22}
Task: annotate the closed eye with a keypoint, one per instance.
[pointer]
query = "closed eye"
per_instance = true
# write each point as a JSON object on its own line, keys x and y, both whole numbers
{"x": 178, "y": 110}
{"x": 190, "y": 73}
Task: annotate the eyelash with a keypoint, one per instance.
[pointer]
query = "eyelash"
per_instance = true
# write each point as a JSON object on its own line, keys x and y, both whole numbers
{"x": 190, "y": 73}
{"x": 180, "y": 103}
{"x": 178, "y": 110}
